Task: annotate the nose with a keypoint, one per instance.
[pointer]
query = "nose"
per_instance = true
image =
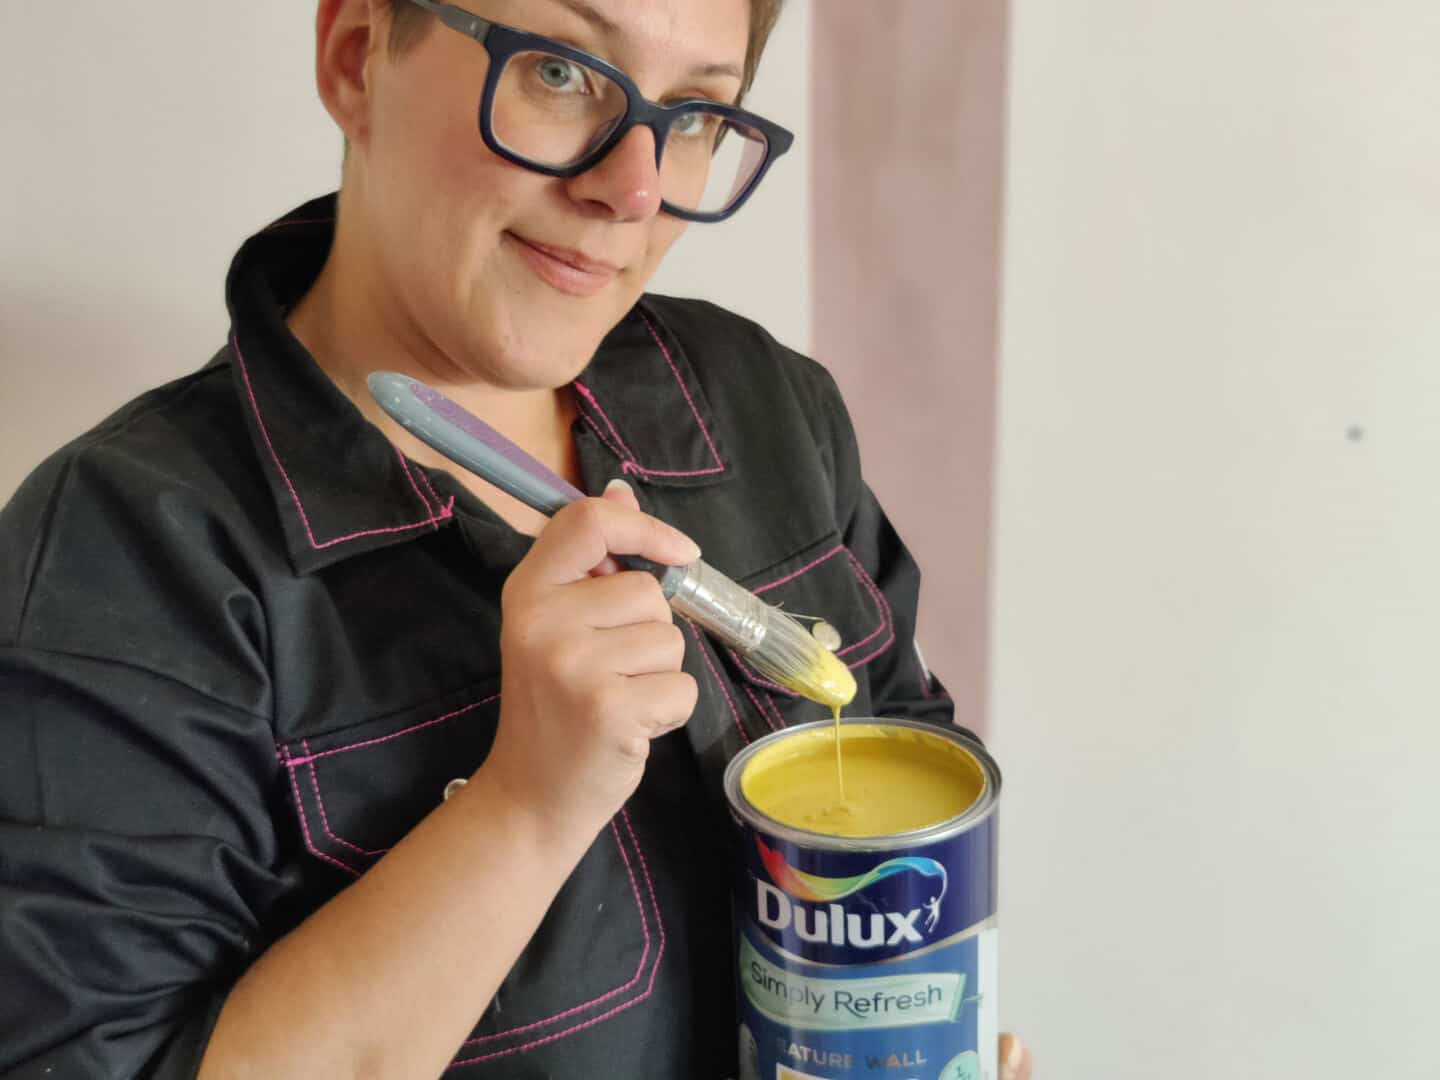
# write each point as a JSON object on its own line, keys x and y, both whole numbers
{"x": 625, "y": 184}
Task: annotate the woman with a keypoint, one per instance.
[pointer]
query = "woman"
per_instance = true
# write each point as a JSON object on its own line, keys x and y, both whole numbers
{"x": 275, "y": 807}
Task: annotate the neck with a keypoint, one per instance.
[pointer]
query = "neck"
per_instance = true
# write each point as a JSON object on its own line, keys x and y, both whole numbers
{"x": 346, "y": 326}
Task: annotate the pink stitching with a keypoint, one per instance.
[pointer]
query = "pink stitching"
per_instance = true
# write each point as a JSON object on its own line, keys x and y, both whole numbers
{"x": 631, "y": 465}
{"x": 705, "y": 655}
{"x": 759, "y": 708}
{"x": 683, "y": 388}
{"x": 559, "y": 1034}
{"x": 450, "y": 506}
{"x": 886, "y": 615}
{"x": 804, "y": 569}
{"x": 432, "y": 520}
{"x": 674, "y": 472}
{"x": 589, "y": 397}
{"x": 887, "y": 620}
{"x": 639, "y": 969}
{"x": 405, "y": 465}
{"x": 649, "y": 888}
{"x": 386, "y": 738}
{"x": 626, "y": 465}
{"x": 649, "y": 988}
{"x": 305, "y": 827}
{"x": 325, "y": 818}
{"x": 756, "y": 677}
{"x": 776, "y": 710}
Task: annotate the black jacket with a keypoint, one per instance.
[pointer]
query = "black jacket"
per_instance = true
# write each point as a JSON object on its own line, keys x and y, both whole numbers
{"x": 244, "y": 646}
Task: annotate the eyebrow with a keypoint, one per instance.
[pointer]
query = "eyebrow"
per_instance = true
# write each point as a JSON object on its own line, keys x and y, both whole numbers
{"x": 705, "y": 70}
{"x": 607, "y": 26}
{"x": 594, "y": 16}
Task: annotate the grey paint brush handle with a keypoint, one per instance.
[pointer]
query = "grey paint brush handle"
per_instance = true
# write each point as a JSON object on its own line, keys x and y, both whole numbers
{"x": 468, "y": 441}
{"x": 773, "y": 642}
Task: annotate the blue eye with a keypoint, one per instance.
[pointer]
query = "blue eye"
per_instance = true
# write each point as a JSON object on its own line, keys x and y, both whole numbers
{"x": 560, "y": 74}
{"x": 691, "y": 124}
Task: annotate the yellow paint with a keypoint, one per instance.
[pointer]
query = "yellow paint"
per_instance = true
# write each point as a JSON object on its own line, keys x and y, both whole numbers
{"x": 827, "y": 681}
{"x": 899, "y": 780}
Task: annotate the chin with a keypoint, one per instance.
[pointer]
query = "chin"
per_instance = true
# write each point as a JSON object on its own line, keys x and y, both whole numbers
{"x": 554, "y": 345}
{"x": 542, "y": 363}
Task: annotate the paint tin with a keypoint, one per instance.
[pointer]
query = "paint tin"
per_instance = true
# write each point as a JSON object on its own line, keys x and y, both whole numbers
{"x": 867, "y": 956}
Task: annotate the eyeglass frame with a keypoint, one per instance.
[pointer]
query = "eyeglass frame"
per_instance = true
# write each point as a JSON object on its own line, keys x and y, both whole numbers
{"x": 502, "y": 42}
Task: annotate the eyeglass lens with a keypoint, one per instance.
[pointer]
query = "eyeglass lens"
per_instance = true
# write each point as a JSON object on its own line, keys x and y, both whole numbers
{"x": 553, "y": 111}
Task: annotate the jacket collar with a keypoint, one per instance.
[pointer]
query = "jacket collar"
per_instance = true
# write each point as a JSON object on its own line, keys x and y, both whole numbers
{"x": 339, "y": 486}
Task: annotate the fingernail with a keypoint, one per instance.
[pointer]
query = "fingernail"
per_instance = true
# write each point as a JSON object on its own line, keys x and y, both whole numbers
{"x": 618, "y": 484}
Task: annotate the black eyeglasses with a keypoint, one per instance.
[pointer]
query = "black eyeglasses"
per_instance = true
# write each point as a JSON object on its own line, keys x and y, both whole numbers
{"x": 559, "y": 111}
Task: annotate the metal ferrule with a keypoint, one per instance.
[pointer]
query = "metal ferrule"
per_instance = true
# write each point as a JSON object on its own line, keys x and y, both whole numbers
{"x": 711, "y": 600}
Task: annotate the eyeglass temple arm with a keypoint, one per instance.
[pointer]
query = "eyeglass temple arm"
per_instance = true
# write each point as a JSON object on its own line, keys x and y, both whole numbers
{"x": 456, "y": 18}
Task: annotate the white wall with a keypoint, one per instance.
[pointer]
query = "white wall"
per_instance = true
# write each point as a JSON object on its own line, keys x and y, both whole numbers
{"x": 141, "y": 144}
{"x": 1217, "y": 604}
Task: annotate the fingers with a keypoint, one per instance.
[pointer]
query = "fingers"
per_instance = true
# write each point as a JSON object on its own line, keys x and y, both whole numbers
{"x": 662, "y": 702}
{"x": 642, "y": 649}
{"x": 591, "y": 660}
{"x": 623, "y": 599}
{"x": 581, "y": 536}
{"x": 1015, "y": 1060}
{"x": 652, "y": 706}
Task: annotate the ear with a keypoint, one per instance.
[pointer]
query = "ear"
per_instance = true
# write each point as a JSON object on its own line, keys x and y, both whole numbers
{"x": 347, "y": 37}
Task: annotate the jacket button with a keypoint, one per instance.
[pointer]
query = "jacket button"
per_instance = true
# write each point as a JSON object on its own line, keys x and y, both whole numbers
{"x": 453, "y": 786}
{"x": 826, "y": 634}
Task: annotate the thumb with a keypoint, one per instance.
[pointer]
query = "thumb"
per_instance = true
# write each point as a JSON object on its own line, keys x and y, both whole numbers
{"x": 1015, "y": 1060}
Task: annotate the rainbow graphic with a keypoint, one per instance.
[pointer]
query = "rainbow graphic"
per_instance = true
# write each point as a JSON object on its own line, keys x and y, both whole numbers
{"x": 816, "y": 889}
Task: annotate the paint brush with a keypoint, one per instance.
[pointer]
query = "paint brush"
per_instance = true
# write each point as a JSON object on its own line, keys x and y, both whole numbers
{"x": 775, "y": 644}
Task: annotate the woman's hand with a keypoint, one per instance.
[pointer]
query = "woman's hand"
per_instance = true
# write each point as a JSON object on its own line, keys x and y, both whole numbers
{"x": 591, "y": 663}
{"x": 1015, "y": 1060}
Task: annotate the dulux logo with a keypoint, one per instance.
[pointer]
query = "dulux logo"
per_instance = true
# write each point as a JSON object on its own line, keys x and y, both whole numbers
{"x": 833, "y": 924}
{"x": 829, "y": 922}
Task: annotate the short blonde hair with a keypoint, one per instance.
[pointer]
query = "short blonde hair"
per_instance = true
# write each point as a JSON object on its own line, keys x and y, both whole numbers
{"x": 410, "y": 22}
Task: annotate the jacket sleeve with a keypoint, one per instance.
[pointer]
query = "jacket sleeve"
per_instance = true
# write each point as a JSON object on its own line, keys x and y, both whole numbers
{"x": 137, "y": 851}
{"x": 900, "y": 683}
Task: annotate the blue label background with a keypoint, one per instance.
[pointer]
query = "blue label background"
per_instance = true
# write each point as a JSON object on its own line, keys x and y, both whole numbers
{"x": 937, "y": 1043}
{"x": 968, "y": 858}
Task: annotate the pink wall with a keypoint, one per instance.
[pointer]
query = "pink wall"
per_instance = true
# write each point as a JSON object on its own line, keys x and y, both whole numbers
{"x": 908, "y": 156}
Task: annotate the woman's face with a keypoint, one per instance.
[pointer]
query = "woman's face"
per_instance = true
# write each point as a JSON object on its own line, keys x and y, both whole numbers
{"x": 511, "y": 276}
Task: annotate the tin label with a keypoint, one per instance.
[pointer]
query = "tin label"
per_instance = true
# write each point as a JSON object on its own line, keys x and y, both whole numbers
{"x": 819, "y": 1003}
{"x": 854, "y": 963}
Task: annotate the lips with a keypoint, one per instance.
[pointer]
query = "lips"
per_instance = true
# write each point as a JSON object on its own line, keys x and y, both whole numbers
{"x": 566, "y": 269}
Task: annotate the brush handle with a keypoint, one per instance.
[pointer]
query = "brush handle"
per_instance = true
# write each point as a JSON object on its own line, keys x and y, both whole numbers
{"x": 470, "y": 442}
{"x": 776, "y": 644}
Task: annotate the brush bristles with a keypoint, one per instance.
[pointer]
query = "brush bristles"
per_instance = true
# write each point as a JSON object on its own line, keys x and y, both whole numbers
{"x": 772, "y": 641}
{"x": 790, "y": 655}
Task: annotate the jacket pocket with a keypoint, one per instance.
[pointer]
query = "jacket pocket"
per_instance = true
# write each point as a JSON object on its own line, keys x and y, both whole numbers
{"x": 596, "y": 954}
{"x": 358, "y": 791}
{"x": 833, "y": 596}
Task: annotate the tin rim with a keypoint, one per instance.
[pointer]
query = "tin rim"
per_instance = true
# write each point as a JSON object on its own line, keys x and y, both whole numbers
{"x": 983, "y": 806}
